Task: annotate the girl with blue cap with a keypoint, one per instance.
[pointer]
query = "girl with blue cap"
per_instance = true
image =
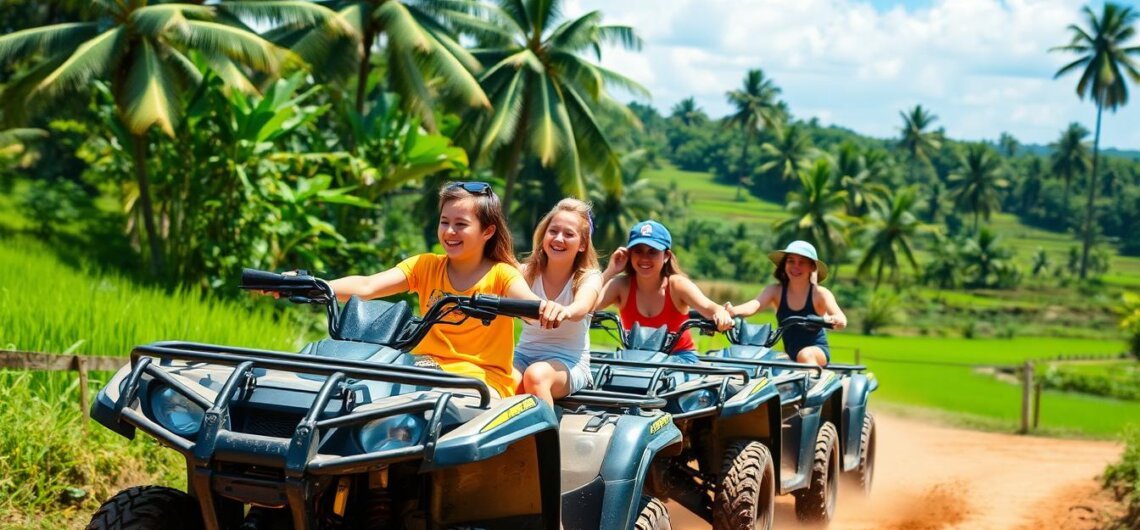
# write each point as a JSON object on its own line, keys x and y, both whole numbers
{"x": 645, "y": 281}
{"x": 798, "y": 269}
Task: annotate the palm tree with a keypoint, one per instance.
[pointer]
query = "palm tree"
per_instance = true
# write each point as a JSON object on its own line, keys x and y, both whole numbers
{"x": 418, "y": 46}
{"x": 815, "y": 212}
{"x": 789, "y": 153}
{"x": 975, "y": 184}
{"x": 1008, "y": 145}
{"x": 619, "y": 206}
{"x": 688, "y": 113}
{"x": 892, "y": 230}
{"x": 755, "y": 105}
{"x": 547, "y": 95}
{"x": 1032, "y": 182}
{"x": 935, "y": 200}
{"x": 945, "y": 266}
{"x": 143, "y": 49}
{"x": 917, "y": 141}
{"x": 857, "y": 179}
{"x": 1104, "y": 60}
{"x": 1070, "y": 155}
{"x": 984, "y": 257}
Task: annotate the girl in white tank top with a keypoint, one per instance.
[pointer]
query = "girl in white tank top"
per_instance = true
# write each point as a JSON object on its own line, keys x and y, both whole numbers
{"x": 552, "y": 363}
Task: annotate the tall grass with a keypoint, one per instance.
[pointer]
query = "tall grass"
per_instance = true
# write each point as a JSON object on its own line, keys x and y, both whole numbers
{"x": 48, "y": 306}
{"x": 55, "y": 466}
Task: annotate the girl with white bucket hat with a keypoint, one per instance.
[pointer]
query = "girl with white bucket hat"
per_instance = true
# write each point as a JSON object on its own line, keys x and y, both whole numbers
{"x": 798, "y": 270}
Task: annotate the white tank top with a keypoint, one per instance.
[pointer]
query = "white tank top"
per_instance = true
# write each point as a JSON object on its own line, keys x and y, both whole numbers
{"x": 569, "y": 339}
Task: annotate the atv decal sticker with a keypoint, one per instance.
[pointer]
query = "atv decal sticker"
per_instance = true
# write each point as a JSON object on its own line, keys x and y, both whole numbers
{"x": 507, "y": 415}
{"x": 660, "y": 423}
{"x": 759, "y": 386}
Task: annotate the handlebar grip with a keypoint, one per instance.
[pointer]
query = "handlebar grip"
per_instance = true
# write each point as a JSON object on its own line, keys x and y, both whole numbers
{"x": 271, "y": 281}
{"x": 510, "y": 307}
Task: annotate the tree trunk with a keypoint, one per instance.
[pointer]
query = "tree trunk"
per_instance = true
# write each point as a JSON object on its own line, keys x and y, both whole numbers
{"x": 365, "y": 68}
{"x": 152, "y": 238}
{"x": 515, "y": 156}
{"x": 1092, "y": 198}
{"x": 743, "y": 160}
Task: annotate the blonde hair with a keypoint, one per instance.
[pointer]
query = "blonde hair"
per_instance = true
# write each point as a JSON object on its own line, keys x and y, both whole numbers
{"x": 489, "y": 211}
{"x": 586, "y": 260}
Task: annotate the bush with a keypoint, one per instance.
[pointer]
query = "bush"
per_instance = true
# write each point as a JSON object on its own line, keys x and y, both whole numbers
{"x": 50, "y": 205}
{"x": 883, "y": 309}
{"x": 1130, "y": 321}
{"x": 1124, "y": 477}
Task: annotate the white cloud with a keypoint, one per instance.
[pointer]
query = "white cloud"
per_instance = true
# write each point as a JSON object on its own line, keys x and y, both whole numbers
{"x": 981, "y": 65}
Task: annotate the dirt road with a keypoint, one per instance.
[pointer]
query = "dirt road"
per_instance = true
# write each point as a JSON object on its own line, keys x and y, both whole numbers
{"x": 939, "y": 478}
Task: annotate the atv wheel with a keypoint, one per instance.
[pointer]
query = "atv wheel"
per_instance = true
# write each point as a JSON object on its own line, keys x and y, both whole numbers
{"x": 148, "y": 507}
{"x": 816, "y": 504}
{"x": 747, "y": 493}
{"x": 860, "y": 478}
{"x": 653, "y": 515}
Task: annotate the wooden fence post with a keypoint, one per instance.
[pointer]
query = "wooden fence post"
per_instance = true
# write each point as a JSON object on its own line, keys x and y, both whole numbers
{"x": 856, "y": 355}
{"x": 1037, "y": 404}
{"x": 79, "y": 364}
{"x": 1026, "y": 394}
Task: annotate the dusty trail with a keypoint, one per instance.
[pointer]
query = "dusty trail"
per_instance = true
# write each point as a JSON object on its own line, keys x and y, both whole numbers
{"x": 934, "y": 478}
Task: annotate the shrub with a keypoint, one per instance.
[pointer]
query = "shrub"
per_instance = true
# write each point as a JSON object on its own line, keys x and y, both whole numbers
{"x": 1130, "y": 321}
{"x": 883, "y": 309}
{"x": 1124, "y": 477}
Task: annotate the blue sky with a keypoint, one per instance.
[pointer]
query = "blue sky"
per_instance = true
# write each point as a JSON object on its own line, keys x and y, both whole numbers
{"x": 981, "y": 66}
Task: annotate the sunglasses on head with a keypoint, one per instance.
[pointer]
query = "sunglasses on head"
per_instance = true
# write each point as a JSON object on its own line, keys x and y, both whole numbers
{"x": 476, "y": 188}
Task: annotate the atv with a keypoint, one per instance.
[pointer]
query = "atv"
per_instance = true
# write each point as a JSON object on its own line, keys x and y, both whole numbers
{"x": 730, "y": 419}
{"x": 802, "y": 399}
{"x": 832, "y": 410}
{"x": 354, "y": 432}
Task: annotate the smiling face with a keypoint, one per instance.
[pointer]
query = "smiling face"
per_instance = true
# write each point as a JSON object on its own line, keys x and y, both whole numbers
{"x": 562, "y": 241}
{"x": 646, "y": 261}
{"x": 798, "y": 267}
{"x": 460, "y": 232}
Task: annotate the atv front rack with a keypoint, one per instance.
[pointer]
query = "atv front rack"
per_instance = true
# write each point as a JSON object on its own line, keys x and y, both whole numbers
{"x": 296, "y": 456}
{"x": 660, "y": 370}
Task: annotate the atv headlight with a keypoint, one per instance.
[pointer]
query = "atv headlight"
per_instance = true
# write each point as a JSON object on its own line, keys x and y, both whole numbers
{"x": 391, "y": 433}
{"x": 176, "y": 412}
{"x": 700, "y": 399}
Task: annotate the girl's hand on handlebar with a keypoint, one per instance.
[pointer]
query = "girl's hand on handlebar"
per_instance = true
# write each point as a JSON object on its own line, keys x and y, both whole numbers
{"x": 723, "y": 318}
{"x": 836, "y": 323}
{"x": 552, "y": 314}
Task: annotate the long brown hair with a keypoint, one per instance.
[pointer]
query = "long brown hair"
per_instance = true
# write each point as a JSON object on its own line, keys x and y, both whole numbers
{"x": 670, "y": 267}
{"x": 489, "y": 212}
{"x": 586, "y": 260}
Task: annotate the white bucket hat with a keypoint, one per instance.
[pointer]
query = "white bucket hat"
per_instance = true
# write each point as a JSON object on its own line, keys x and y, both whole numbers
{"x": 800, "y": 248}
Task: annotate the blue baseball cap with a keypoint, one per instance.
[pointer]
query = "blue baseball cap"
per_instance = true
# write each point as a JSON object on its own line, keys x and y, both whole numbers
{"x": 650, "y": 233}
{"x": 800, "y": 248}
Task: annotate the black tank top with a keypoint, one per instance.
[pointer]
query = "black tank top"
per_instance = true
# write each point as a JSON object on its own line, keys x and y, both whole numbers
{"x": 797, "y": 338}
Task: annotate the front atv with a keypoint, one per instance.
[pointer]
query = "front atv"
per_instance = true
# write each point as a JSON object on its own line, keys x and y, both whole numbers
{"x": 825, "y": 416}
{"x": 352, "y": 434}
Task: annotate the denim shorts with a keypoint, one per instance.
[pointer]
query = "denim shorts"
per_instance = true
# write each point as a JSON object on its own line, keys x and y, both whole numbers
{"x": 684, "y": 357}
{"x": 580, "y": 378}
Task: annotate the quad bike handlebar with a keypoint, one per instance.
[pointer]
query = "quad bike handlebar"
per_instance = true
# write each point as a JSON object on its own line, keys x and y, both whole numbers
{"x": 809, "y": 322}
{"x": 303, "y": 288}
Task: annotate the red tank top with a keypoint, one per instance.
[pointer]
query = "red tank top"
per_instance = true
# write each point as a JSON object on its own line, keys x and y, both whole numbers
{"x": 669, "y": 316}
